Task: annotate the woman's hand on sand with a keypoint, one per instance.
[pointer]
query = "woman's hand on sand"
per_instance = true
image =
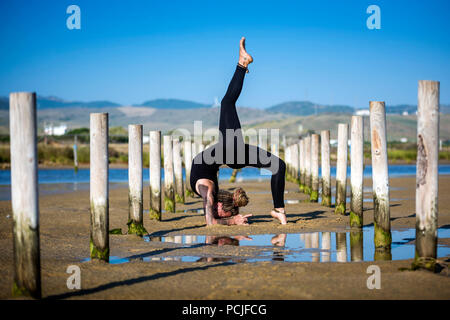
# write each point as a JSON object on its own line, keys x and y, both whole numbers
{"x": 241, "y": 220}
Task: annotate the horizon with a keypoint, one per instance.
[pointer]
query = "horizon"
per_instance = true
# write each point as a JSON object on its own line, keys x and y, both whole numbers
{"x": 129, "y": 53}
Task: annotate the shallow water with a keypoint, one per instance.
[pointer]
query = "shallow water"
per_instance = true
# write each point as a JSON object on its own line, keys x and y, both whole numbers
{"x": 349, "y": 246}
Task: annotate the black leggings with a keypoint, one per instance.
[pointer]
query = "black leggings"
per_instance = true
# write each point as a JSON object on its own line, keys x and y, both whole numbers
{"x": 238, "y": 154}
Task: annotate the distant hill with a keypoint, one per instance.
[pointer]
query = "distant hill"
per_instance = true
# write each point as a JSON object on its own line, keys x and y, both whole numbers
{"x": 306, "y": 108}
{"x": 173, "y": 104}
{"x": 55, "y": 103}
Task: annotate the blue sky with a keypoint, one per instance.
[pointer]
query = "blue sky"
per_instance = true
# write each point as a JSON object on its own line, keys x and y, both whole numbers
{"x": 132, "y": 51}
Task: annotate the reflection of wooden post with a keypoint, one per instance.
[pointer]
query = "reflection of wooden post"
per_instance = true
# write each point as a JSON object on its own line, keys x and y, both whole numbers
{"x": 356, "y": 245}
{"x": 178, "y": 171}
{"x": 357, "y": 168}
{"x": 326, "y": 246}
{"x": 341, "y": 246}
{"x": 187, "y": 166}
{"x": 341, "y": 169}
{"x": 99, "y": 239}
{"x": 326, "y": 167}
{"x": 301, "y": 148}
{"x": 75, "y": 154}
{"x": 24, "y": 194}
{"x": 308, "y": 165}
{"x": 169, "y": 192}
{"x": 155, "y": 175}
{"x": 315, "y": 244}
{"x": 135, "y": 181}
{"x": 380, "y": 177}
{"x": 314, "y": 168}
{"x": 427, "y": 174}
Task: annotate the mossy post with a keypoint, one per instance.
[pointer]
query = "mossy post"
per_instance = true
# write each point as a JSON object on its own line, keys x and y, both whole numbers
{"x": 301, "y": 149}
{"x": 24, "y": 194}
{"x": 326, "y": 167}
{"x": 308, "y": 165}
{"x": 341, "y": 246}
{"x": 169, "y": 190}
{"x": 427, "y": 174}
{"x": 341, "y": 169}
{"x": 356, "y": 245}
{"x": 75, "y": 154}
{"x": 295, "y": 163}
{"x": 314, "y": 197}
{"x": 135, "y": 181}
{"x": 233, "y": 175}
{"x": 99, "y": 190}
{"x": 357, "y": 168}
{"x": 187, "y": 167}
{"x": 155, "y": 175}
{"x": 178, "y": 171}
{"x": 326, "y": 246}
{"x": 380, "y": 178}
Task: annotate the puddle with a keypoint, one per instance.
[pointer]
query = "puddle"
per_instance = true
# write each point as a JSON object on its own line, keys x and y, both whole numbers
{"x": 346, "y": 246}
{"x": 333, "y": 200}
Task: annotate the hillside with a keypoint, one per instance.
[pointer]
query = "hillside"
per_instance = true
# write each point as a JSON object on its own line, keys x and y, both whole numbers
{"x": 175, "y": 104}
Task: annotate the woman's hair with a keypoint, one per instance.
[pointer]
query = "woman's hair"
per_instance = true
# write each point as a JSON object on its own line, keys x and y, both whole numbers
{"x": 232, "y": 201}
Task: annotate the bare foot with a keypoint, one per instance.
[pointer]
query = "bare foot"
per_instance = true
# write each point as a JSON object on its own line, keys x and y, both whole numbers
{"x": 281, "y": 216}
{"x": 244, "y": 58}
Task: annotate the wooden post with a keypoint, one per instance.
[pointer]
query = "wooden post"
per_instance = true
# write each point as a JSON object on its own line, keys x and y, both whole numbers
{"x": 135, "y": 181}
{"x": 24, "y": 194}
{"x": 99, "y": 190}
{"x": 326, "y": 246}
{"x": 233, "y": 175}
{"x": 356, "y": 245}
{"x": 314, "y": 168}
{"x": 357, "y": 168}
{"x": 287, "y": 155}
{"x": 427, "y": 174}
{"x": 341, "y": 246}
{"x": 307, "y": 165}
{"x": 326, "y": 167}
{"x": 341, "y": 169}
{"x": 301, "y": 185}
{"x": 178, "y": 171}
{"x": 295, "y": 162}
{"x": 188, "y": 166}
{"x": 194, "y": 150}
{"x": 380, "y": 177}
{"x": 274, "y": 149}
{"x": 169, "y": 192}
{"x": 75, "y": 154}
{"x": 155, "y": 175}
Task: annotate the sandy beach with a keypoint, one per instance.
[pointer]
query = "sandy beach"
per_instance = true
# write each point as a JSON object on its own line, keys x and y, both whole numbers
{"x": 64, "y": 234}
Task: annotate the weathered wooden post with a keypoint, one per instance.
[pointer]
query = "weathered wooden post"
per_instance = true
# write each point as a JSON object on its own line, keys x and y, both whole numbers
{"x": 274, "y": 149}
{"x": 356, "y": 245}
{"x": 341, "y": 169}
{"x": 187, "y": 167}
{"x": 301, "y": 184}
{"x": 357, "y": 168}
{"x": 295, "y": 162}
{"x": 380, "y": 177}
{"x": 287, "y": 155}
{"x": 341, "y": 246}
{"x": 427, "y": 174}
{"x": 155, "y": 175}
{"x": 135, "y": 181}
{"x": 326, "y": 246}
{"x": 326, "y": 167}
{"x": 169, "y": 192}
{"x": 99, "y": 167}
{"x": 24, "y": 194}
{"x": 233, "y": 175}
{"x": 194, "y": 150}
{"x": 178, "y": 170}
{"x": 314, "y": 168}
{"x": 307, "y": 165}
{"x": 75, "y": 154}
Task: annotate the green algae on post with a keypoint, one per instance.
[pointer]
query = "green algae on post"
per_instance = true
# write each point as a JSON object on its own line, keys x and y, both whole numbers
{"x": 314, "y": 196}
{"x": 137, "y": 228}
{"x": 356, "y": 221}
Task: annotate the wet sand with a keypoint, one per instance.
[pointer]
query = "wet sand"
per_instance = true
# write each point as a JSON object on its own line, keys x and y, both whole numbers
{"x": 64, "y": 227}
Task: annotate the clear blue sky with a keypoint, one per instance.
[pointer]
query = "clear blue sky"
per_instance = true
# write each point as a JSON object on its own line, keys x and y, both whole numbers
{"x": 132, "y": 51}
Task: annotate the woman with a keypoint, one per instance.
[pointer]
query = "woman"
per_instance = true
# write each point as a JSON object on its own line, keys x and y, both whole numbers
{"x": 235, "y": 153}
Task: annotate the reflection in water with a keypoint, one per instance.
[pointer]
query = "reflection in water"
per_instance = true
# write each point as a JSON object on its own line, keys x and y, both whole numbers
{"x": 315, "y": 245}
{"x": 341, "y": 246}
{"x": 326, "y": 246}
{"x": 356, "y": 245}
{"x": 279, "y": 241}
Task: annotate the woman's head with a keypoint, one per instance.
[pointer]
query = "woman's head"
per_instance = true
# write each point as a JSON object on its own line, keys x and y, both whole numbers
{"x": 230, "y": 202}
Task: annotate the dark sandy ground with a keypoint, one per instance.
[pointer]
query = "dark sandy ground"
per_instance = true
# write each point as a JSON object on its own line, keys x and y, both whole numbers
{"x": 64, "y": 227}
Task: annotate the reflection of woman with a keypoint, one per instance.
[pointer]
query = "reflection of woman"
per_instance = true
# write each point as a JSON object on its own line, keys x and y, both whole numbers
{"x": 204, "y": 174}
